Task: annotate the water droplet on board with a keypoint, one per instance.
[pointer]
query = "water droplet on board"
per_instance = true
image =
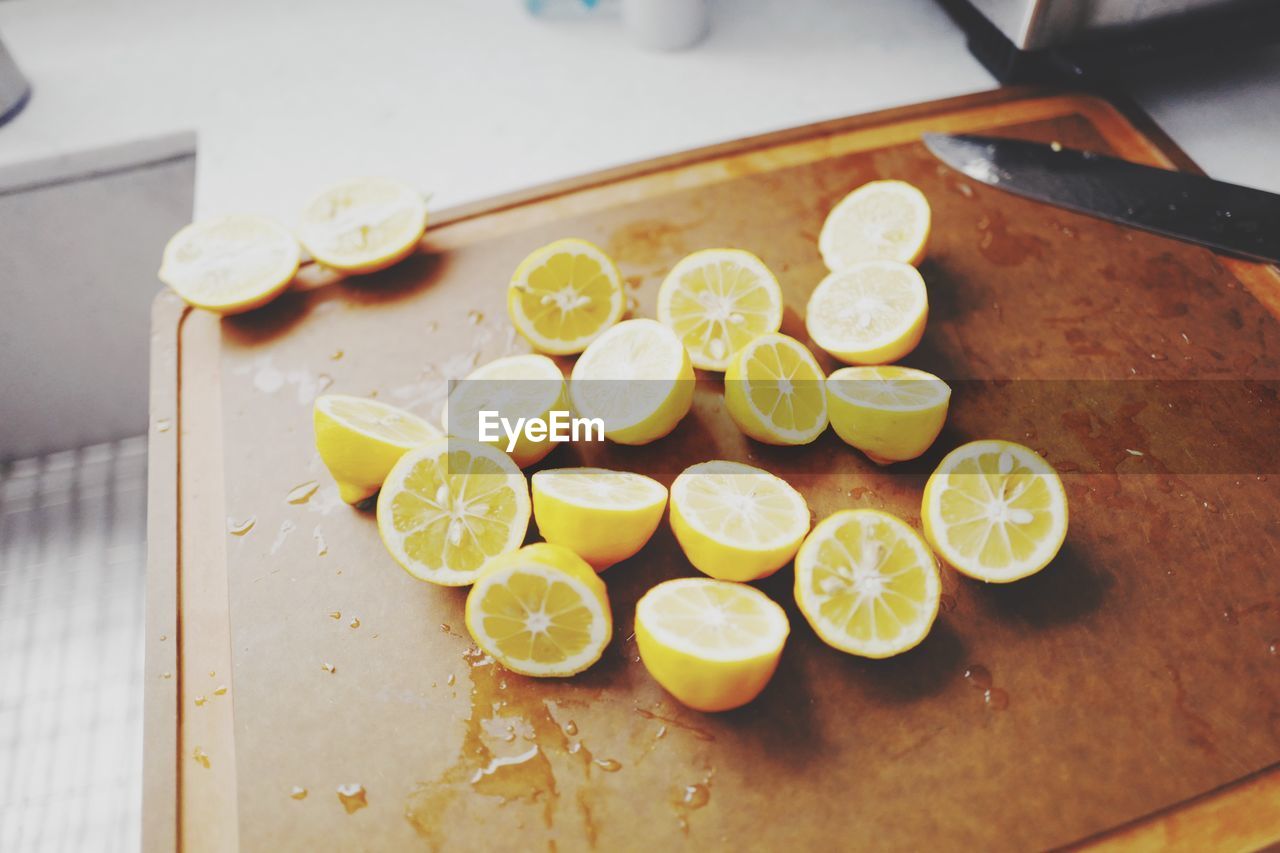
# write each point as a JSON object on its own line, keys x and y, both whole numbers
{"x": 298, "y": 792}
{"x": 475, "y": 317}
{"x": 286, "y": 527}
{"x": 451, "y": 680}
{"x": 946, "y": 602}
{"x": 335, "y": 614}
{"x": 302, "y": 493}
{"x": 608, "y": 765}
{"x": 978, "y": 675}
{"x": 695, "y": 796}
{"x": 355, "y": 622}
{"x": 690, "y": 798}
{"x": 337, "y": 355}
{"x": 353, "y": 797}
{"x": 322, "y": 547}
{"x": 163, "y": 425}
{"x": 996, "y": 699}
{"x": 328, "y": 667}
{"x": 166, "y": 675}
{"x": 1274, "y": 648}
{"x": 571, "y": 728}
{"x": 201, "y": 757}
{"x": 240, "y": 528}
{"x": 200, "y": 700}
{"x": 221, "y": 690}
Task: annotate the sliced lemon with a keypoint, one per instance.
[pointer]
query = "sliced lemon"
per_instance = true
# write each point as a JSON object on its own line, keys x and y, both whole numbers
{"x": 230, "y": 264}
{"x": 736, "y": 522}
{"x": 450, "y": 506}
{"x": 518, "y": 386}
{"x": 602, "y": 516}
{"x": 774, "y": 390}
{"x": 363, "y": 225}
{"x": 717, "y": 300}
{"x": 712, "y": 644}
{"x": 636, "y": 378}
{"x": 995, "y": 510}
{"x": 564, "y": 295}
{"x": 540, "y": 611}
{"x": 879, "y": 221}
{"x": 888, "y": 412}
{"x": 867, "y": 583}
{"x": 870, "y": 313}
{"x": 360, "y": 440}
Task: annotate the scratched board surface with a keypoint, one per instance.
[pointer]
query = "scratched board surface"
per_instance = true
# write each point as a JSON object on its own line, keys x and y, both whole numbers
{"x": 1136, "y": 671}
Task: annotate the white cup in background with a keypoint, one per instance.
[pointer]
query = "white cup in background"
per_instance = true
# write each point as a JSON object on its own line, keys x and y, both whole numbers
{"x": 666, "y": 24}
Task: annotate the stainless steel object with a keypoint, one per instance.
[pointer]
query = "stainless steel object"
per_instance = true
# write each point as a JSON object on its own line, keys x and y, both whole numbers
{"x": 1226, "y": 217}
{"x": 1041, "y": 24}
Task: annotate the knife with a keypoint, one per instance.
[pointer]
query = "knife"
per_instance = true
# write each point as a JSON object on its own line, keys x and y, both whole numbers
{"x": 1225, "y": 217}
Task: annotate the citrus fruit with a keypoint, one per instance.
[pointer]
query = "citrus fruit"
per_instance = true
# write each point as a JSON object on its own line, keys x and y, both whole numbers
{"x": 637, "y": 378}
{"x": 363, "y": 225}
{"x": 774, "y": 390}
{"x": 602, "y": 516}
{"x": 712, "y": 644}
{"x": 359, "y": 440}
{"x": 890, "y": 413}
{"x": 450, "y": 506}
{"x": 716, "y": 301}
{"x": 879, "y": 221}
{"x": 563, "y": 295}
{"x": 869, "y": 313}
{"x": 540, "y": 611}
{"x": 518, "y": 386}
{"x": 736, "y": 522}
{"x": 230, "y": 264}
{"x": 995, "y": 510}
{"x": 867, "y": 583}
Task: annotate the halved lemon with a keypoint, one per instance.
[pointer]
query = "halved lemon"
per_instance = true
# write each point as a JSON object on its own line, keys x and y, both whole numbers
{"x": 736, "y": 522}
{"x": 449, "y": 507}
{"x": 602, "y": 516}
{"x": 888, "y": 412}
{"x": 995, "y": 510}
{"x": 540, "y": 611}
{"x": 363, "y": 225}
{"x": 637, "y": 379}
{"x": 360, "y": 440}
{"x": 879, "y": 221}
{"x": 775, "y": 391}
{"x": 717, "y": 300}
{"x": 867, "y": 583}
{"x": 870, "y": 313}
{"x": 563, "y": 295}
{"x": 712, "y": 644}
{"x": 518, "y": 386}
{"x": 230, "y": 264}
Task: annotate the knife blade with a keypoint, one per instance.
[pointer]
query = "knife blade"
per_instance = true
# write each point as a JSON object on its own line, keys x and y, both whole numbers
{"x": 1225, "y": 217}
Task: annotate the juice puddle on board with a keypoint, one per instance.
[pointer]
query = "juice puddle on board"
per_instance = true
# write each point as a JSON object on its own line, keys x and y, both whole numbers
{"x": 512, "y": 749}
{"x": 515, "y": 750}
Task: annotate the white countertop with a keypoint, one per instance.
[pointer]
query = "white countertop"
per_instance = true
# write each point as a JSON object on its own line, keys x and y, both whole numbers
{"x": 466, "y": 100}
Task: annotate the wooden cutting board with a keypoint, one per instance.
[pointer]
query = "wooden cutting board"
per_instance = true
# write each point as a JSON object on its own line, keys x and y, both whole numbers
{"x": 1138, "y": 671}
